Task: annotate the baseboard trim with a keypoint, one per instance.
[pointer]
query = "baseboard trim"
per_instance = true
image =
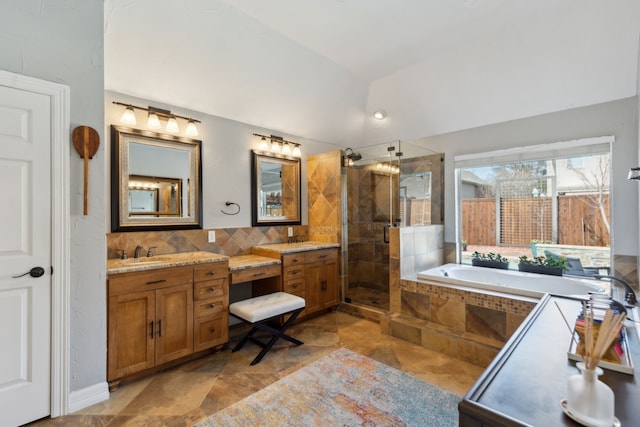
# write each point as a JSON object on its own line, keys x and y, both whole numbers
{"x": 88, "y": 396}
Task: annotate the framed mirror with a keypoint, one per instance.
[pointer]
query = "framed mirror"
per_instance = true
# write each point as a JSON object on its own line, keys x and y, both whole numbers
{"x": 275, "y": 189}
{"x": 156, "y": 181}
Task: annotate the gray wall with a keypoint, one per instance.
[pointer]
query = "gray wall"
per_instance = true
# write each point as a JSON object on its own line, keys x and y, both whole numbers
{"x": 618, "y": 118}
{"x": 63, "y": 42}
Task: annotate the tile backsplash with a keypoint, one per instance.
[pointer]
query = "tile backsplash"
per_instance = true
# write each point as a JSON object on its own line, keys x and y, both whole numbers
{"x": 229, "y": 241}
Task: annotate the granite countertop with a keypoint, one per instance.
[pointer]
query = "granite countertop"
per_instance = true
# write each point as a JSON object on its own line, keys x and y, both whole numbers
{"x": 116, "y": 266}
{"x": 242, "y": 262}
{"x": 283, "y": 248}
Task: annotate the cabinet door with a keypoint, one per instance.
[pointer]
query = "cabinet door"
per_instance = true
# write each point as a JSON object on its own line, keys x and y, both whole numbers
{"x": 131, "y": 333}
{"x": 313, "y": 286}
{"x": 174, "y": 322}
{"x": 331, "y": 294}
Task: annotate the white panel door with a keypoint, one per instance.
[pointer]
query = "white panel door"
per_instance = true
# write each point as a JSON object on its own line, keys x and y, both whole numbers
{"x": 25, "y": 243}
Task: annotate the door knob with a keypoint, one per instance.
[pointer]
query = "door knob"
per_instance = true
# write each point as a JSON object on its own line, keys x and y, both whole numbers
{"x": 34, "y": 272}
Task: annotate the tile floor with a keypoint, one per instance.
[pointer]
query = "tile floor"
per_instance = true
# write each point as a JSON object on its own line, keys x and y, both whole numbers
{"x": 369, "y": 297}
{"x": 182, "y": 395}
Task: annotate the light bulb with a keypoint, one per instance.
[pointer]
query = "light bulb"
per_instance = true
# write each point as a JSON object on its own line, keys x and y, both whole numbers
{"x": 286, "y": 149}
{"x": 128, "y": 116}
{"x": 263, "y": 144}
{"x": 296, "y": 151}
{"x": 172, "y": 125}
{"x": 154, "y": 121}
{"x": 379, "y": 115}
{"x": 192, "y": 130}
{"x": 275, "y": 146}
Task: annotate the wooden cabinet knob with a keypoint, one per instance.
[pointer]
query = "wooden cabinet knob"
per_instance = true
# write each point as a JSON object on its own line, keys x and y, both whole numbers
{"x": 213, "y": 305}
{"x": 212, "y": 329}
{"x": 212, "y": 289}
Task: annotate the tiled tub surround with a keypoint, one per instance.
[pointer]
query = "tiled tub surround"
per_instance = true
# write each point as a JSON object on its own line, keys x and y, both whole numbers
{"x": 467, "y": 324}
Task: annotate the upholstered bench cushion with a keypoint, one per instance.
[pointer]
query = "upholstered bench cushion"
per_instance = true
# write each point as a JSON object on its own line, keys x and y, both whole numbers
{"x": 265, "y": 306}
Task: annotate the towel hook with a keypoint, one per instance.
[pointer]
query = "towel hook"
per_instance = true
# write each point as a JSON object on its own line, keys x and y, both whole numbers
{"x": 229, "y": 204}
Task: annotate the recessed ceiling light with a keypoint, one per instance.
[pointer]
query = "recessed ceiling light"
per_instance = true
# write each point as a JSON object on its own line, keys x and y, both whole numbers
{"x": 379, "y": 115}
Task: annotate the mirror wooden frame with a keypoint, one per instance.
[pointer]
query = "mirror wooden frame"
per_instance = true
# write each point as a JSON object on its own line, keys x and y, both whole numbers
{"x": 121, "y": 220}
{"x": 294, "y": 216}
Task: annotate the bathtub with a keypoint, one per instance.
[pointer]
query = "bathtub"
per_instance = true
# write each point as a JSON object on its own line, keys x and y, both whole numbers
{"x": 512, "y": 282}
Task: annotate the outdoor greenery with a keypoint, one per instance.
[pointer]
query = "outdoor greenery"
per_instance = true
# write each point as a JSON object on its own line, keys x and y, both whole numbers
{"x": 479, "y": 256}
{"x": 542, "y": 261}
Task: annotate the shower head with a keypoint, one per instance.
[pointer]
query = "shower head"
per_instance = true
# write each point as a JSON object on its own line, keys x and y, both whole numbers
{"x": 351, "y": 156}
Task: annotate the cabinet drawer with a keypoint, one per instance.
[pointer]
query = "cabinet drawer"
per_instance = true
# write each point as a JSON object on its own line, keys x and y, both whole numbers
{"x": 214, "y": 270}
{"x": 293, "y": 259}
{"x": 211, "y": 331}
{"x": 321, "y": 255}
{"x": 293, "y": 272}
{"x": 210, "y": 288}
{"x": 294, "y": 286}
{"x": 140, "y": 281}
{"x": 209, "y": 306}
{"x": 249, "y": 274}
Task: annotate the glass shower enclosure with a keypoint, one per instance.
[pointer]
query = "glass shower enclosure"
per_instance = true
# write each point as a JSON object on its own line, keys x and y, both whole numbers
{"x": 386, "y": 185}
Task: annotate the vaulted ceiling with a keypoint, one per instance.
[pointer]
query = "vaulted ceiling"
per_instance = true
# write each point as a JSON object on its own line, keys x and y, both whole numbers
{"x": 320, "y": 68}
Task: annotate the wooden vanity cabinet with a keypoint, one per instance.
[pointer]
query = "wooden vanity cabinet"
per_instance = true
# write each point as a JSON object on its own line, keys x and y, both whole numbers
{"x": 157, "y": 316}
{"x": 150, "y": 319}
{"x": 312, "y": 275}
{"x": 211, "y": 311}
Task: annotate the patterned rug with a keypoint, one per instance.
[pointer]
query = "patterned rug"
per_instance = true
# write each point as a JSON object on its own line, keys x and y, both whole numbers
{"x": 347, "y": 389}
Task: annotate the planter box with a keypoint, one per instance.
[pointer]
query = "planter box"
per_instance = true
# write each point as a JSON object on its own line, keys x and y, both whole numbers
{"x": 528, "y": 268}
{"x": 490, "y": 264}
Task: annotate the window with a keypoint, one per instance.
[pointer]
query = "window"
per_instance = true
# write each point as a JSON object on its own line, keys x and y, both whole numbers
{"x": 542, "y": 201}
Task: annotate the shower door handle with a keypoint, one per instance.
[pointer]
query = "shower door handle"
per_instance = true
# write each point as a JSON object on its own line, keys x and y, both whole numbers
{"x": 385, "y": 234}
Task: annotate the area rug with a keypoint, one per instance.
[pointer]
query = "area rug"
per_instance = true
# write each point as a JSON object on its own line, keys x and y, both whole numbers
{"x": 345, "y": 389}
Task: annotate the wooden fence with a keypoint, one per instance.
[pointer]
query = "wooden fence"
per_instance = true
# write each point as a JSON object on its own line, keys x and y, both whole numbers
{"x": 526, "y": 219}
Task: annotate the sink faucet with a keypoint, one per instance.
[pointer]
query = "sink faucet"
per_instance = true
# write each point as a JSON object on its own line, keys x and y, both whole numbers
{"x": 629, "y": 295}
{"x": 138, "y": 251}
{"x": 150, "y": 252}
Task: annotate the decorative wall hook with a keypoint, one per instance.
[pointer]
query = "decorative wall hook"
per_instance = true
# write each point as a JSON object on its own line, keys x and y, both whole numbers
{"x": 229, "y": 204}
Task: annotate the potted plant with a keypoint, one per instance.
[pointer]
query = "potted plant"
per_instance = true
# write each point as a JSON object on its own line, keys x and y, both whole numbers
{"x": 490, "y": 260}
{"x": 542, "y": 265}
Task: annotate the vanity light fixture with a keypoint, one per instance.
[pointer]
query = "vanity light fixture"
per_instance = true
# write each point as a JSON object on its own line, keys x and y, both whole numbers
{"x": 379, "y": 115}
{"x": 277, "y": 144}
{"x": 155, "y": 115}
{"x": 172, "y": 125}
{"x": 153, "y": 122}
{"x": 129, "y": 116}
{"x": 192, "y": 130}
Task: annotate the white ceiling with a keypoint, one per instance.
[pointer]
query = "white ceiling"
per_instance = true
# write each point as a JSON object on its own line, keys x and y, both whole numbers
{"x": 319, "y": 68}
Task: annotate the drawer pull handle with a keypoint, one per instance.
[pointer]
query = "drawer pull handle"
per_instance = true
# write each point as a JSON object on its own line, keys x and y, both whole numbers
{"x": 152, "y": 329}
{"x": 324, "y": 256}
{"x": 212, "y": 289}
{"x": 262, "y": 273}
{"x": 212, "y": 306}
{"x": 153, "y": 282}
{"x": 212, "y": 330}
{"x": 211, "y": 273}
{"x": 295, "y": 260}
{"x": 160, "y": 327}
{"x": 295, "y": 286}
{"x": 295, "y": 272}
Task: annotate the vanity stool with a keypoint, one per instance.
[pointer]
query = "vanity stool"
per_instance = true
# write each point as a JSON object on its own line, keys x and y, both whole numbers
{"x": 259, "y": 310}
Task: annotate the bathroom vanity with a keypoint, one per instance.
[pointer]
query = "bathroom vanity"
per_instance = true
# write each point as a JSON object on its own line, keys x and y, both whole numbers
{"x": 526, "y": 382}
{"x": 309, "y": 270}
{"x": 165, "y": 308}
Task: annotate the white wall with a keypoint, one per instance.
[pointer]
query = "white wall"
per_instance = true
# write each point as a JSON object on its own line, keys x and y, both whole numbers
{"x": 582, "y": 55}
{"x": 617, "y": 118}
{"x": 64, "y": 44}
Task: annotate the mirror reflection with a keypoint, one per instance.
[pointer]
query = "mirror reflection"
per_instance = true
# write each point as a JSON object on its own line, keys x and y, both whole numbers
{"x": 156, "y": 181}
{"x": 275, "y": 189}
